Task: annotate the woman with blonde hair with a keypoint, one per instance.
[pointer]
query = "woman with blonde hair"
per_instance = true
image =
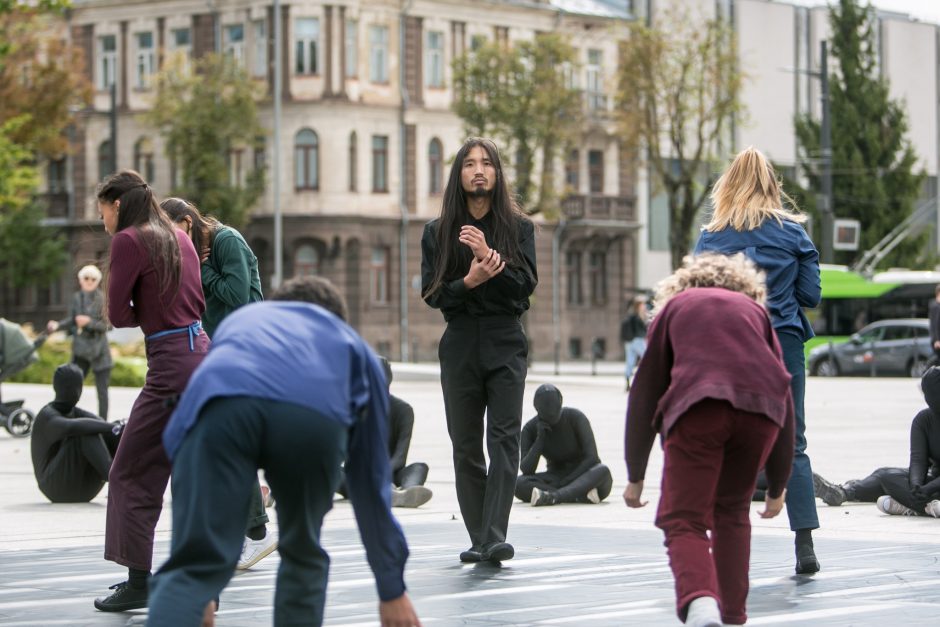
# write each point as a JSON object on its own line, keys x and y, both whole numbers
{"x": 749, "y": 217}
{"x": 714, "y": 384}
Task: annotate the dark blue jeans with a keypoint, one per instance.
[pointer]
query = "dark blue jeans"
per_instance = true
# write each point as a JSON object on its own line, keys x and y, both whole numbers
{"x": 801, "y": 501}
{"x": 213, "y": 476}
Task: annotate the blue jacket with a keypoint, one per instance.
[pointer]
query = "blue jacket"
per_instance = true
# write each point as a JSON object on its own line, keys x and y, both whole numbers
{"x": 299, "y": 353}
{"x": 787, "y": 255}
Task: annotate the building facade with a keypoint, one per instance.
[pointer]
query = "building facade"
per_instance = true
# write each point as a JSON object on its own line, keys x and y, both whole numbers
{"x": 367, "y": 137}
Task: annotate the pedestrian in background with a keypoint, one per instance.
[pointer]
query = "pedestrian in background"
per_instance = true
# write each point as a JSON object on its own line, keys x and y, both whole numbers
{"x": 713, "y": 383}
{"x": 153, "y": 283}
{"x": 633, "y": 336}
{"x": 749, "y": 217}
{"x": 478, "y": 267}
{"x": 87, "y": 325}
{"x": 230, "y": 279}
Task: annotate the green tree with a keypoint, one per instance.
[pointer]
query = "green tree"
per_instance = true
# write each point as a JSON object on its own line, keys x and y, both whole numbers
{"x": 30, "y": 253}
{"x": 519, "y": 96}
{"x": 679, "y": 86}
{"x": 874, "y": 177}
{"x": 204, "y": 116}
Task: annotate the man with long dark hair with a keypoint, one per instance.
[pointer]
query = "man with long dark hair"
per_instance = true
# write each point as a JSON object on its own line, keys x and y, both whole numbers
{"x": 478, "y": 268}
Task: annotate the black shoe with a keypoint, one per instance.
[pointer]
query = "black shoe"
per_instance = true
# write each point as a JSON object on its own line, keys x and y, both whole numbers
{"x": 471, "y": 555}
{"x": 122, "y": 599}
{"x": 806, "y": 562}
{"x": 498, "y": 552}
{"x": 830, "y": 493}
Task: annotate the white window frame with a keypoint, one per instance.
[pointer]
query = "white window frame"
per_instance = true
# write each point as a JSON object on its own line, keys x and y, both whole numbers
{"x": 307, "y": 47}
{"x": 434, "y": 59}
{"x": 352, "y": 49}
{"x": 185, "y": 49}
{"x": 146, "y": 60}
{"x": 107, "y": 63}
{"x": 259, "y": 60}
{"x": 594, "y": 80}
{"x": 235, "y": 47}
{"x": 378, "y": 53}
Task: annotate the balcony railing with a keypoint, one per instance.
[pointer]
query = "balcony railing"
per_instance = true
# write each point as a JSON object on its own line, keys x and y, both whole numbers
{"x": 578, "y": 207}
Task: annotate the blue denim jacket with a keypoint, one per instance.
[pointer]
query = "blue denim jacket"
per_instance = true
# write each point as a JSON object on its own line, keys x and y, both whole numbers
{"x": 787, "y": 255}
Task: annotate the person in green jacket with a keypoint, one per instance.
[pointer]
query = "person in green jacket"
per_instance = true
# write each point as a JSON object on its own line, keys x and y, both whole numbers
{"x": 230, "y": 279}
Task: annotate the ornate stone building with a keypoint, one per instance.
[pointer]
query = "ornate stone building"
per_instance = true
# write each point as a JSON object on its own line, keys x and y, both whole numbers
{"x": 367, "y": 135}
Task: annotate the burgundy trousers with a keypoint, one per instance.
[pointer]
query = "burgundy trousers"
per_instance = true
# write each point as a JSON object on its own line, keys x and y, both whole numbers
{"x": 712, "y": 456}
{"x": 140, "y": 470}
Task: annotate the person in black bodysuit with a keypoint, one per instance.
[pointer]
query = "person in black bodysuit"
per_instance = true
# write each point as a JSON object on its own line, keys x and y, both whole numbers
{"x": 914, "y": 490}
{"x": 563, "y": 436}
{"x": 71, "y": 448}
{"x": 407, "y": 479}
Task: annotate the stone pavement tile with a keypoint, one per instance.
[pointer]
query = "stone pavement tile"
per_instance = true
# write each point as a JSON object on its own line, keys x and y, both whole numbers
{"x": 562, "y": 576}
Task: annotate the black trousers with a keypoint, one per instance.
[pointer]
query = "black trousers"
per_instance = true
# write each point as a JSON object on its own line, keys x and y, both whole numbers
{"x": 483, "y": 370}
{"x": 895, "y": 482}
{"x": 213, "y": 474}
{"x": 575, "y": 491}
{"x": 102, "y": 381}
{"x": 80, "y": 468}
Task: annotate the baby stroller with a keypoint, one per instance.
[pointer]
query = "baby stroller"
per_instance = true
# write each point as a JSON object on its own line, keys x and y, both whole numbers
{"x": 16, "y": 353}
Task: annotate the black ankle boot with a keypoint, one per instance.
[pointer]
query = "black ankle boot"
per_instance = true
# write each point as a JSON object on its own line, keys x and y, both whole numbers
{"x": 806, "y": 561}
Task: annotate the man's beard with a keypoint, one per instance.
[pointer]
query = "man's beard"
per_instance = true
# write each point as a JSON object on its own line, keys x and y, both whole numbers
{"x": 479, "y": 191}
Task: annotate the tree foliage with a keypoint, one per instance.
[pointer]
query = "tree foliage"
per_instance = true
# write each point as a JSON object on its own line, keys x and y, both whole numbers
{"x": 204, "y": 114}
{"x": 520, "y": 97}
{"x": 873, "y": 163}
{"x": 679, "y": 86}
{"x": 29, "y": 252}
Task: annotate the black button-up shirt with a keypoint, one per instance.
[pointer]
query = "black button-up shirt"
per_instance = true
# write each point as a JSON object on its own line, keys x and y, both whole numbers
{"x": 507, "y": 293}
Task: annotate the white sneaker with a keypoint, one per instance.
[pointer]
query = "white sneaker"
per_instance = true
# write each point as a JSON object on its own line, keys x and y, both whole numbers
{"x": 889, "y": 506}
{"x": 253, "y": 551}
{"x": 703, "y": 612}
{"x": 933, "y": 508}
{"x": 593, "y": 496}
{"x": 415, "y": 496}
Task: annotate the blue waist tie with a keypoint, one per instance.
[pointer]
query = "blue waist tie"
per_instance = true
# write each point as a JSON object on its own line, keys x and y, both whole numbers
{"x": 192, "y": 329}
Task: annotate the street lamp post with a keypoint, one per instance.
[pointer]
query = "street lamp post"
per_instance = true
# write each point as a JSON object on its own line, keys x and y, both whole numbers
{"x": 276, "y": 156}
{"x": 825, "y": 143}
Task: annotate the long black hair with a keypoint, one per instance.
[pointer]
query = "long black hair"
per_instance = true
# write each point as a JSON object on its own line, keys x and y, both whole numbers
{"x": 455, "y": 258}
{"x": 204, "y": 227}
{"x": 138, "y": 208}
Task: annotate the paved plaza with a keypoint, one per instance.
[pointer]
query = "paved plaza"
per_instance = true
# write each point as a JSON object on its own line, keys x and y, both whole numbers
{"x": 595, "y": 565}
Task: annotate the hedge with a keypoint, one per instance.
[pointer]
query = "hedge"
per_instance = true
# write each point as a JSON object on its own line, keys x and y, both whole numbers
{"x": 130, "y": 365}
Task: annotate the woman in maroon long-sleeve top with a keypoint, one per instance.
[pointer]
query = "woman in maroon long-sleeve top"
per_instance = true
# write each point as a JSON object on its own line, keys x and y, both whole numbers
{"x": 714, "y": 384}
{"x": 154, "y": 283}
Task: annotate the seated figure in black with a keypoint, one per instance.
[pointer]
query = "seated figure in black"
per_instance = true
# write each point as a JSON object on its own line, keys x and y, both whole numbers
{"x": 407, "y": 479}
{"x": 563, "y": 436}
{"x": 71, "y": 448}
{"x": 910, "y": 491}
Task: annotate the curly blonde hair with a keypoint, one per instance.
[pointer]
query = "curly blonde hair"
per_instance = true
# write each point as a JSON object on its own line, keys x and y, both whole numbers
{"x": 736, "y": 273}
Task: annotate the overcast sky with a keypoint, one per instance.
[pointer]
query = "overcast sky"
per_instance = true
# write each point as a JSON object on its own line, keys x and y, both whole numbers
{"x": 925, "y": 10}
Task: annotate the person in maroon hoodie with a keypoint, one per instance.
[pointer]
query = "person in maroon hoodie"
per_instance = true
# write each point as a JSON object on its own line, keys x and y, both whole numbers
{"x": 154, "y": 282}
{"x": 713, "y": 383}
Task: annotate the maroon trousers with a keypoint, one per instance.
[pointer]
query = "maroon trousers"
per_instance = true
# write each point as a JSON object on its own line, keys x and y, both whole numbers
{"x": 712, "y": 456}
{"x": 140, "y": 470}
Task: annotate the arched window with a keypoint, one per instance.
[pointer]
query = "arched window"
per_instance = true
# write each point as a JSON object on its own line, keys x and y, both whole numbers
{"x": 353, "y": 162}
{"x": 306, "y": 261}
{"x": 105, "y": 163}
{"x": 306, "y": 160}
{"x": 143, "y": 158}
{"x": 435, "y": 166}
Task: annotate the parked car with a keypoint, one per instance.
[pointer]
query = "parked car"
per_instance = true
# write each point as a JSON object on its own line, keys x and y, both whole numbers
{"x": 886, "y": 347}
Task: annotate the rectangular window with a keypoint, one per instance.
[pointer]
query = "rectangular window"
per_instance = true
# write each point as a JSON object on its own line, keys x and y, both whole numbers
{"x": 181, "y": 43}
{"x": 434, "y": 60}
{"x": 259, "y": 61}
{"x": 146, "y": 60}
{"x": 573, "y": 171}
{"x": 598, "y": 276}
{"x": 594, "y": 82}
{"x": 56, "y": 175}
{"x": 107, "y": 61}
{"x": 596, "y": 171}
{"x": 236, "y": 174}
{"x": 258, "y": 157}
{"x": 477, "y": 42}
{"x": 306, "y": 44}
{"x": 379, "y": 163}
{"x": 378, "y": 54}
{"x": 235, "y": 43}
{"x": 575, "y": 294}
{"x": 379, "y": 275}
{"x": 352, "y": 48}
